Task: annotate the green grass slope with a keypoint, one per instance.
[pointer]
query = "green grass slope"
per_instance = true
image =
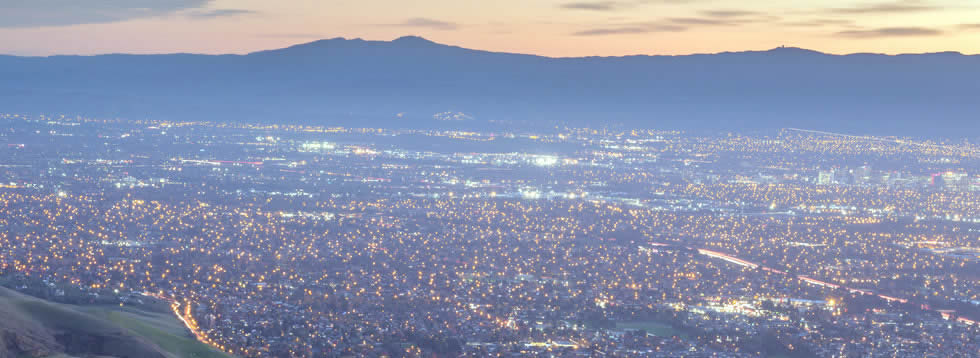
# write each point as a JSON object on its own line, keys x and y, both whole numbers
{"x": 36, "y": 328}
{"x": 162, "y": 329}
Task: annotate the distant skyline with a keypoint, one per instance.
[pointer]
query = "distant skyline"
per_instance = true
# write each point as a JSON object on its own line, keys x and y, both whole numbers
{"x": 556, "y": 28}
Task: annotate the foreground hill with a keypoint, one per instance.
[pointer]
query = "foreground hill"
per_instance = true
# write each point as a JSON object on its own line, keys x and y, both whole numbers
{"x": 406, "y": 81}
{"x": 31, "y": 327}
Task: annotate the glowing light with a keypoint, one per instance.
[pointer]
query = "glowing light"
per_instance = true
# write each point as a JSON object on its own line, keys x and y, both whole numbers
{"x": 545, "y": 160}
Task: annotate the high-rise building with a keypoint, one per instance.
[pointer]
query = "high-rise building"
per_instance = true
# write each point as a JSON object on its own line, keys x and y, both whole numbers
{"x": 956, "y": 181}
{"x": 826, "y": 177}
{"x": 862, "y": 175}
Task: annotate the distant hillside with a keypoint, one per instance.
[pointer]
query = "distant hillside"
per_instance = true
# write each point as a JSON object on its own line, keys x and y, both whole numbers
{"x": 408, "y": 82}
{"x": 32, "y": 327}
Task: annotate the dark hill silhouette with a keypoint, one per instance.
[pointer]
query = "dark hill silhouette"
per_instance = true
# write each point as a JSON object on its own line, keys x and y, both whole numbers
{"x": 358, "y": 82}
{"x": 36, "y": 328}
{"x": 33, "y": 327}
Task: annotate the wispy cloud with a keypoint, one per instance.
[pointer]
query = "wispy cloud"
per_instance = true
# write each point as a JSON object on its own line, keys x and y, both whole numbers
{"x": 612, "y": 31}
{"x": 902, "y": 6}
{"x": 708, "y": 18}
{"x": 729, "y": 13}
{"x": 40, "y": 13}
{"x": 724, "y": 17}
{"x": 701, "y": 21}
{"x": 422, "y": 22}
{"x": 969, "y": 26}
{"x": 613, "y": 5}
{"x": 631, "y": 29}
{"x": 820, "y": 23}
{"x": 594, "y": 5}
{"x": 209, "y": 14}
{"x": 890, "y": 32}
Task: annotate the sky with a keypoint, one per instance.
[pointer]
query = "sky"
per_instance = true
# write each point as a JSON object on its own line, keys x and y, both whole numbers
{"x": 557, "y": 28}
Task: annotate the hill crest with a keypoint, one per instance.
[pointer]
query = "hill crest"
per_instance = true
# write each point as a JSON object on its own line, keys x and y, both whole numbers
{"x": 403, "y": 83}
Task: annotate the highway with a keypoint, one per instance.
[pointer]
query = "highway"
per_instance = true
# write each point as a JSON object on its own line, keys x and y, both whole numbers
{"x": 807, "y": 279}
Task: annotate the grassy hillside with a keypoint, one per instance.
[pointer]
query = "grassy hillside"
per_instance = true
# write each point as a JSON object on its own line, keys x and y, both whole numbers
{"x": 36, "y": 328}
{"x": 162, "y": 329}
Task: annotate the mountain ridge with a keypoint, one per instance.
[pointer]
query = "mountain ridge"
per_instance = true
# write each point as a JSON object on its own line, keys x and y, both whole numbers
{"x": 403, "y": 82}
{"x": 419, "y": 40}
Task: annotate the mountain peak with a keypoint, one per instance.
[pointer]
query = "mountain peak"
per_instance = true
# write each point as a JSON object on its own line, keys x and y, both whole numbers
{"x": 415, "y": 41}
{"x": 340, "y": 44}
{"x": 794, "y": 50}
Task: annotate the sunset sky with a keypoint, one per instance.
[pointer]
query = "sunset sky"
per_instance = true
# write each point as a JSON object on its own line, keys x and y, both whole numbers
{"x": 543, "y": 27}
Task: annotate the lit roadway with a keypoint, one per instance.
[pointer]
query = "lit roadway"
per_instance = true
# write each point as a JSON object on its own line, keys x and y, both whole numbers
{"x": 810, "y": 280}
{"x": 187, "y": 319}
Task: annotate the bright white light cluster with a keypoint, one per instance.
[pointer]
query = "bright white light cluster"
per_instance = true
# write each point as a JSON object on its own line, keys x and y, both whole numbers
{"x": 545, "y": 160}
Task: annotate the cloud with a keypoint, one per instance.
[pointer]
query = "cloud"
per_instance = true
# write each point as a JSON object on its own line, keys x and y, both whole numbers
{"x": 905, "y": 6}
{"x": 723, "y": 18}
{"x": 609, "y": 5}
{"x": 633, "y": 29}
{"x": 427, "y": 23}
{"x": 594, "y": 5}
{"x": 40, "y": 13}
{"x": 729, "y": 13}
{"x": 969, "y": 26}
{"x": 701, "y": 21}
{"x": 820, "y": 23}
{"x": 209, "y": 14}
{"x": 679, "y": 24}
{"x": 890, "y": 32}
